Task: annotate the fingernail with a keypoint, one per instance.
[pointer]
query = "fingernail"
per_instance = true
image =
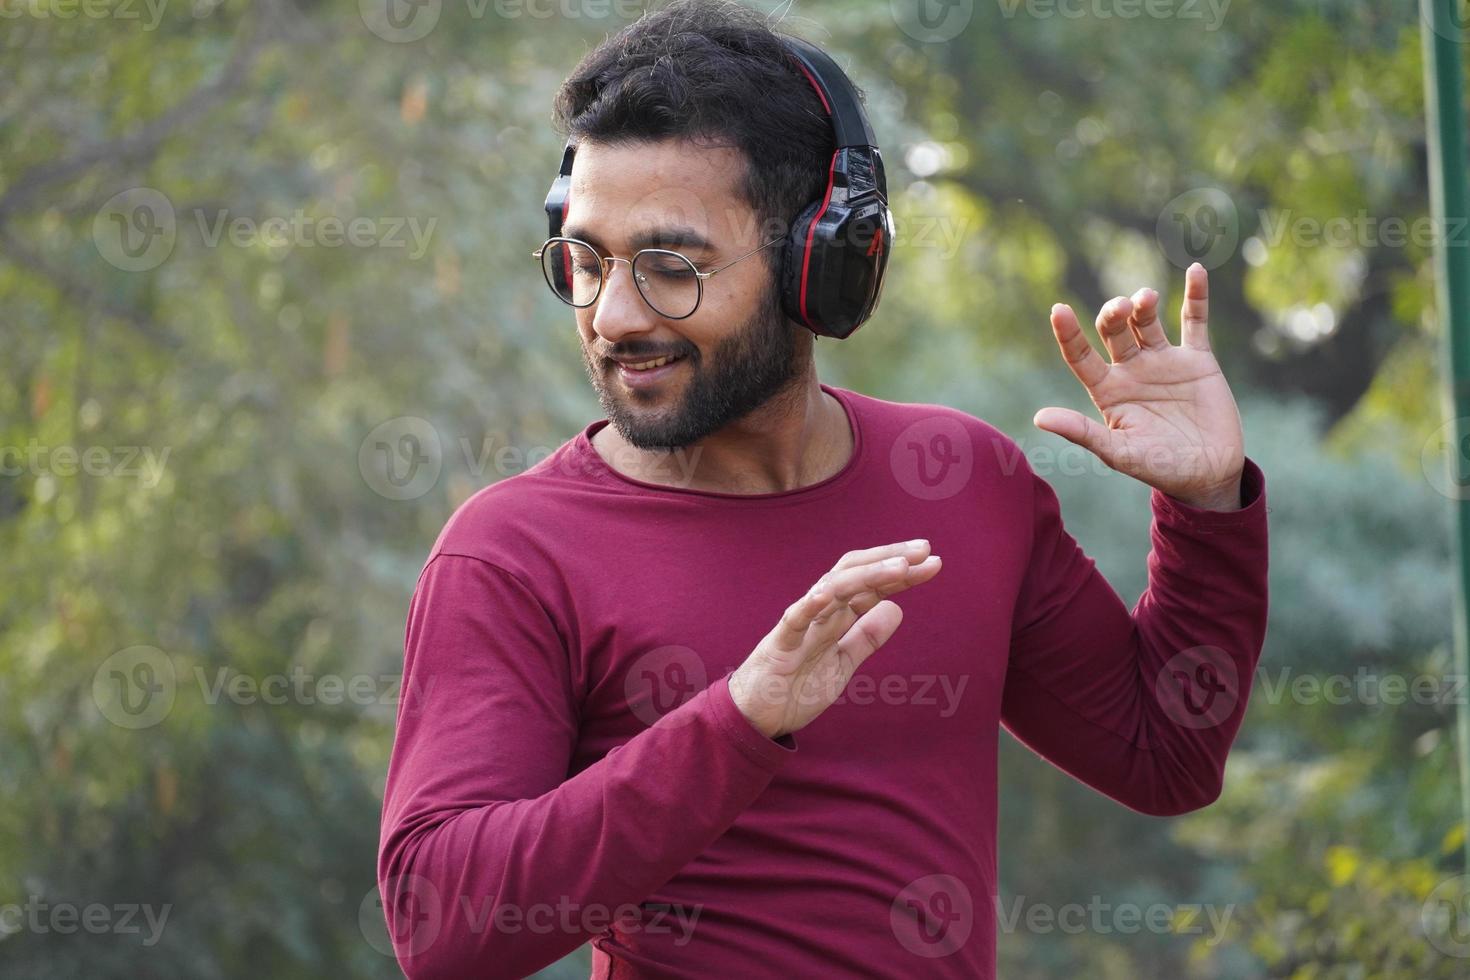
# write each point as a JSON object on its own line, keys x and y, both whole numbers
{"x": 919, "y": 543}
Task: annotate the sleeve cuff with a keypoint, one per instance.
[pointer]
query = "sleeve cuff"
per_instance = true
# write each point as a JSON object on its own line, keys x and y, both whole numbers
{"x": 1252, "y": 498}
{"x": 765, "y": 752}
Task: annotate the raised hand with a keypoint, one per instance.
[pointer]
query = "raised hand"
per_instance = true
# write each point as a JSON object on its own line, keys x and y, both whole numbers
{"x": 1171, "y": 420}
{"x": 802, "y": 665}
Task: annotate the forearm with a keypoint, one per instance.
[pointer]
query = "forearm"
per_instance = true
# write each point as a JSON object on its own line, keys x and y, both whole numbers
{"x": 1144, "y": 707}
{"x": 520, "y": 883}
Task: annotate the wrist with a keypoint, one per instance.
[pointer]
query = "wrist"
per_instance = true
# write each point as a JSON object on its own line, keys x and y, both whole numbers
{"x": 1226, "y": 498}
{"x": 741, "y": 695}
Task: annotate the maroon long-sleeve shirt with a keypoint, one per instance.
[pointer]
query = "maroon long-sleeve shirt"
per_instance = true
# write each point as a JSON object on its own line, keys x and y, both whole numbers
{"x": 569, "y": 765}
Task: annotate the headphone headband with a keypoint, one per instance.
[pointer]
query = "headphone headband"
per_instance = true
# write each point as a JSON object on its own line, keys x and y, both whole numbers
{"x": 836, "y": 253}
{"x": 849, "y": 123}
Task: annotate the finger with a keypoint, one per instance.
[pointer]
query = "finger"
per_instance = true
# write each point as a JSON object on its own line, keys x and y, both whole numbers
{"x": 1147, "y": 329}
{"x": 1078, "y": 428}
{"x": 918, "y": 575}
{"x": 1112, "y": 327}
{"x": 798, "y": 617}
{"x": 870, "y": 632}
{"x": 852, "y": 582}
{"x": 856, "y": 591}
{"x": 916, "y": 551}
{"x": 1194, "y": 316}
{"x": 1076, "y": 351}
{"x": 839, "y": 588}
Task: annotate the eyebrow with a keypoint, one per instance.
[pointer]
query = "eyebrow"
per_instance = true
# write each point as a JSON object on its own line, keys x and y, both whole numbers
{"x": 677, "y": 236}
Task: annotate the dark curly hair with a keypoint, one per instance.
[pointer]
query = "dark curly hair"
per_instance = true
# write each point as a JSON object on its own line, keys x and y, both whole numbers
{"x": 710, "y": 71}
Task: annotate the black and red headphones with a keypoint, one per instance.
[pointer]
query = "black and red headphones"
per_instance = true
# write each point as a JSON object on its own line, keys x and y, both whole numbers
{"x": 836, "y": 251}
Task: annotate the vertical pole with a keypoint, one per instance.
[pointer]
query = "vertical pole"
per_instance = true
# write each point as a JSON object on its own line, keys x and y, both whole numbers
{"x": 1444, "y": 109}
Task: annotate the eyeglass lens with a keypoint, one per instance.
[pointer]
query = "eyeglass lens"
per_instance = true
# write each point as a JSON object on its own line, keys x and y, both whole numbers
{"x": 667, "y": 280}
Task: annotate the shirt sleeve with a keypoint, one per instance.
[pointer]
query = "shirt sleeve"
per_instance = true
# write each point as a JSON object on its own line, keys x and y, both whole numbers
{"x": 1144, "y": 706}
{"x": 492, "y": 863}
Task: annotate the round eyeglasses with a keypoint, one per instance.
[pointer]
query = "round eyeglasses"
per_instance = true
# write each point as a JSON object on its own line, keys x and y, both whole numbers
{"x": 667, "y": 280}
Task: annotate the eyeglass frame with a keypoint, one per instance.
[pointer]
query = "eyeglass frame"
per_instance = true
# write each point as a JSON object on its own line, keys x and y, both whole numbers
{"x": 603, "y": 273}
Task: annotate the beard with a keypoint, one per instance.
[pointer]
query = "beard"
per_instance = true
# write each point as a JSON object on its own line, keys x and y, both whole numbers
{"x": 744, "y": 371}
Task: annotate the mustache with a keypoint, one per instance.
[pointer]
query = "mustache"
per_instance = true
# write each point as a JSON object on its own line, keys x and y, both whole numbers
{"x": 644, "y": 353}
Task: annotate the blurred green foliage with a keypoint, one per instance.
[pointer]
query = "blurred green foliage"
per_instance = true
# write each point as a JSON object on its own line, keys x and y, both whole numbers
{"x": 1033, "y": 158}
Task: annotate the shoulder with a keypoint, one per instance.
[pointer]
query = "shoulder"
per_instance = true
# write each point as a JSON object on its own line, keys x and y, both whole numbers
{"x": 915, "y": 433}
{"x": 500, "y": 523}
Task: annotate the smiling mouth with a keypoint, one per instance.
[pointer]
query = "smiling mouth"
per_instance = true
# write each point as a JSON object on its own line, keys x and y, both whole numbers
{"x": 650, "y": 365}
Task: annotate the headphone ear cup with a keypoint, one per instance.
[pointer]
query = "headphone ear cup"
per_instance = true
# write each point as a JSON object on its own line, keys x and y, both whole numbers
{"x": 793, "y": 262}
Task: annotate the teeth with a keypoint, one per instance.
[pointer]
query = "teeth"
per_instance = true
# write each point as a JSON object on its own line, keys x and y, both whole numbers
{"x": 649, "y": 365}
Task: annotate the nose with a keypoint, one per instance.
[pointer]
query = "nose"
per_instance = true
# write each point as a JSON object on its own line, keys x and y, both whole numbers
{"x": 620, "y": 310}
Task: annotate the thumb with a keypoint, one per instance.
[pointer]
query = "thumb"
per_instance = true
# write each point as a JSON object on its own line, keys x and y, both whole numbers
{"x": 1078, "y": 428}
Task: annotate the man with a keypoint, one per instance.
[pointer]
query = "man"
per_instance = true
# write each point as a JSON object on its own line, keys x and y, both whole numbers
{"x": 640, "y": 707}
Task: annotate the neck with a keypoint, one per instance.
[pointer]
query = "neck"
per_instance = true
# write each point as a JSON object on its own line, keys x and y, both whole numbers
{"x": 798, "y": 438}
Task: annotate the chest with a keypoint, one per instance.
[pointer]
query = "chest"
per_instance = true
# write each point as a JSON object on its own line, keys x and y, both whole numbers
{"x": 671, "y": 612}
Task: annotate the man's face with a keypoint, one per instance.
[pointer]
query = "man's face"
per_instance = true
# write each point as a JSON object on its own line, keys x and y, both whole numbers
{"x": 736, "y": 351}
